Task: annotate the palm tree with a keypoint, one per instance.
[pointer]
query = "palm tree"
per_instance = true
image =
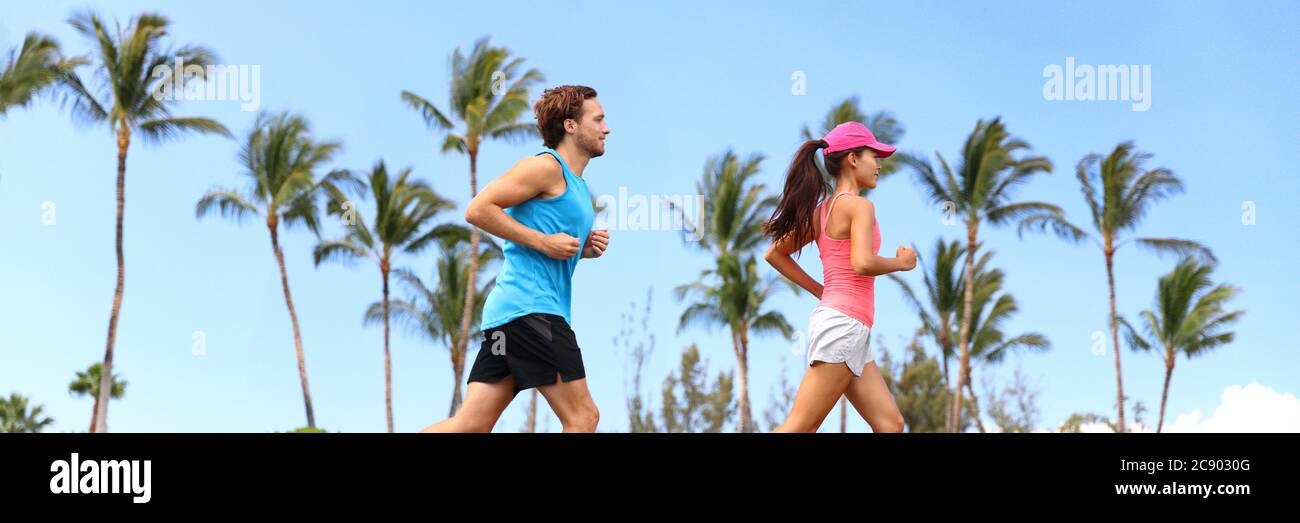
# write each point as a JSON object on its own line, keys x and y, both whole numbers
{"x": 883, "y": 124}
{"x": 282, "y": 162}
{"x": 434, "y": 313}
{"x": 989, "y": 344}
{"x": 1189, "y": 319}
{"x": 730, "y": 228}
{"x": 488, "y": 96}
{"x": 733, "y": 294}
{"x": 15, "y": 418}
{"x": 735, "y": 206}
{"x": 87, "y": 383}
{"x": 131, "y": 101}
{"x": 32, "y": 68}
{"x": 404, "y": 210}
{"x": 530, "y": 416}
{"x": 1127, "y": 192}
{"x": 943, "y": 293}
{"x": 991, "y": 167}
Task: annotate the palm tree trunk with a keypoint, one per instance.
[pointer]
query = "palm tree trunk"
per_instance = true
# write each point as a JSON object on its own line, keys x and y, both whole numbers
{"x": 844, "y": 414}
{"x": 95, "y": 415}
{"x": 954, "y": 420}
{"x": 388, "y": 363}
{"x": 743, "y": 422}
{"x": 945, "y": 342}
{"x": 974, "y": 405}
{"x": 293, "y": 318}
{"x": 471, "y": 287}
{"x": 100, "y": 416}
{"x": 1114, "y": 334}
{"x": 458, "y": 370}
{"x": 531, "y": 428}
{"x": 1164, "y": 394}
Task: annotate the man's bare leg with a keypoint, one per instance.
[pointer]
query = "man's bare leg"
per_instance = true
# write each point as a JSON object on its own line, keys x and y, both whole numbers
{"x": 572, "y": 403}
{"x": 484, "y": 403}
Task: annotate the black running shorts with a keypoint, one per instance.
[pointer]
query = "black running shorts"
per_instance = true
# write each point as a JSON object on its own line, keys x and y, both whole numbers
{"x": 533, "y": 348}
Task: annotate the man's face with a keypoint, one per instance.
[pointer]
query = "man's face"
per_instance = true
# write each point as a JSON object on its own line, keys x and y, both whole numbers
{"x": 591, "y": 130}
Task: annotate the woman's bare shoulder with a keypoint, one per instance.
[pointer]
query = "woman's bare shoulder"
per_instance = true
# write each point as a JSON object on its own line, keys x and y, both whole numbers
{"x": 859, "y": 205}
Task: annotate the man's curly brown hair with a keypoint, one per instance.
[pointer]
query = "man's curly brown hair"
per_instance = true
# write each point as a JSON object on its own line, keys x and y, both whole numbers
{"x": 556, "y": 105}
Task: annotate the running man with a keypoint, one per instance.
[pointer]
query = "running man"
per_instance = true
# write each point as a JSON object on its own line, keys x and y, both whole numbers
{"x": 542, "y": 208}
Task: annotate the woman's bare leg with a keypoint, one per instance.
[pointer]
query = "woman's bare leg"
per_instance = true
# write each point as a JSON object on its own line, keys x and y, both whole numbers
{"x": 869, "y": 394}
{"x": 821, "y": 387}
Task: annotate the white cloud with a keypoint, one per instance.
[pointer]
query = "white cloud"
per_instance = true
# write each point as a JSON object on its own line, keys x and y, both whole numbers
{"x": 1094, "y": 427}
{"x": 1252, "y": 408}
{"x": 1099, "y": 427}
{"x": 1249, "y": 408}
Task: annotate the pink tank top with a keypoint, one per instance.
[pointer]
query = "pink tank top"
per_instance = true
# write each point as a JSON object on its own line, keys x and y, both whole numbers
{"x": 842, "y": 289}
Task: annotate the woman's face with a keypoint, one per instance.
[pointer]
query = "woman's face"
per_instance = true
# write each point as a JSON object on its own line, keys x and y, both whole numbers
{"x": 865, "y": 168}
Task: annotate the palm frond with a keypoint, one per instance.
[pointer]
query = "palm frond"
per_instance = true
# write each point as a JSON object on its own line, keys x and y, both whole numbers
{"x": 1053, "y": 221}
{"x": 1179, "y": 247}
{"x": 230, "y": 203}
{"x": 337, "y": 250}
{"x": 163, "y": 129}
{"x": 429, "y": 112}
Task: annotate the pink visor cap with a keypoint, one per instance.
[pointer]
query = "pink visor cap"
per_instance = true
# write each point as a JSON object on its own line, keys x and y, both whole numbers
{"x": 851, "y": 135}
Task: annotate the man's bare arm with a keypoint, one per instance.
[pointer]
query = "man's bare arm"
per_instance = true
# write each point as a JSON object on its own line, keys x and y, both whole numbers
{"x": 528, "y": 179}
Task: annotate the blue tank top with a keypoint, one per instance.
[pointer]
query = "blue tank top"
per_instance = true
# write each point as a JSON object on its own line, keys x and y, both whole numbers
{"x": 530, "y": 281}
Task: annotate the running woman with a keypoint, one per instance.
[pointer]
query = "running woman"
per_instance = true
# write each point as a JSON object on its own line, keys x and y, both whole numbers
{"x": 840, "y": 361}
{"x": 542, "y": 208}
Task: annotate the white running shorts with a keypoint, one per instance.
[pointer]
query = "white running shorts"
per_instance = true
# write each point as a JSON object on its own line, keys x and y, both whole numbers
{"x": 835, "y": 337}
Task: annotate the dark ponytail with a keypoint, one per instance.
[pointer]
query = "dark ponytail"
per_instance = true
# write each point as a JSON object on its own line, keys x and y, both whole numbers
{"x": 804, "y": 187}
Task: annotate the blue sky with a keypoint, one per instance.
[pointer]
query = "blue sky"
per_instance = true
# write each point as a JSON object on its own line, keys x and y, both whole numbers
{"x": 679, "y": 82}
